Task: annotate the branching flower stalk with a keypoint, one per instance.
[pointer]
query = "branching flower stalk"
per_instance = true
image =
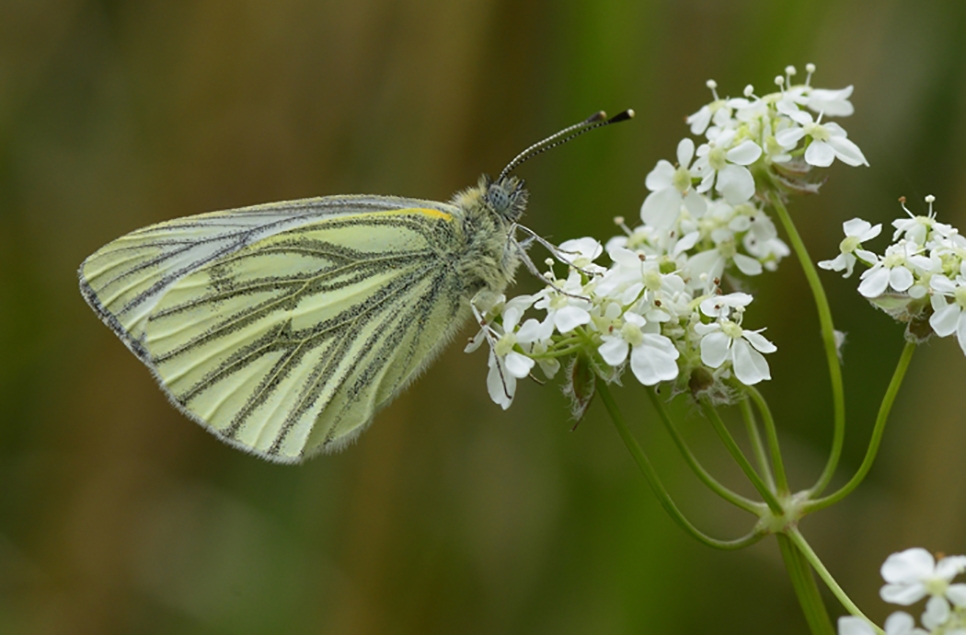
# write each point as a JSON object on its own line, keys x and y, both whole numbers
{"x": 671, "y": 307}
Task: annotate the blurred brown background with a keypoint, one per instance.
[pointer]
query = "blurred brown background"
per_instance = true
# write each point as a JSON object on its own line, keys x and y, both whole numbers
{"x": 117, "y": 515}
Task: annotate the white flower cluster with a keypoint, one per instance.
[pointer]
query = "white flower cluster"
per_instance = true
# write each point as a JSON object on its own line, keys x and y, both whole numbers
{"x": 911, "y": 576}
{"x": 921, "y": 274}
{"x": 659, "y": 308}
{"x": 747, "y": 137}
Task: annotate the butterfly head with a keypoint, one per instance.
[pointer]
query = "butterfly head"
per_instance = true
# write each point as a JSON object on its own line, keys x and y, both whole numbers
{"x": 506, "y": 196}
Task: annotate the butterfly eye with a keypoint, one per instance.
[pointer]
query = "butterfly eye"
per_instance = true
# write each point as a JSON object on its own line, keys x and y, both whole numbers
{"x": 498, "y": 198}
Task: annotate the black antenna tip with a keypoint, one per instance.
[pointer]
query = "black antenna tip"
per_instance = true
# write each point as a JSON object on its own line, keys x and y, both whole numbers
{"x": 622, "y": 116}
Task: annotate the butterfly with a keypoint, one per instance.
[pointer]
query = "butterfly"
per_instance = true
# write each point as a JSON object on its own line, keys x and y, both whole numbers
{"x": 282, "y": 328}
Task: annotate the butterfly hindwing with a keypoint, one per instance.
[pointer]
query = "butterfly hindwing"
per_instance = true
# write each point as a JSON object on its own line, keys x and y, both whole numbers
{"x": 285, "y": 336}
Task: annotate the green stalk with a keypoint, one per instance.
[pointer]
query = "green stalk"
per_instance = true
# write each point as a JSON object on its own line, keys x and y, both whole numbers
{"x": 805, "y": 588}
{"x": 772, "y": 433}
{"x": 828, "y": 339}
{"x": 713, "y": 484}
{"x": 767, "y": 495}
{"x": 880, "y": 422}
{"x": 654, "y": 481}
{"x": 754, "y": 437}
{"x": 806, "y": 550}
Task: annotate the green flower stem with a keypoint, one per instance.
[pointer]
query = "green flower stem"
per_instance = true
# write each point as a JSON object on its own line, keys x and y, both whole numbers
{"x": 713, "y": 484}
{"x": 772, "y": 433}
{"x": 805, "y": 588}
{"x": 806, "y": 550}
{"x": 563, "y": 352}
{"x": 754, "y": 436}
{"x": 654, "y": 481}
{"x": 828, "y": 339}
{"x": 884, "y": 409}
{"x": 767, "y": 495}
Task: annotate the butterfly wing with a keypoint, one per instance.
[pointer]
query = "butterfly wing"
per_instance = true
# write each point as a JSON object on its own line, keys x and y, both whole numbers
{"x": 283, "y": 328}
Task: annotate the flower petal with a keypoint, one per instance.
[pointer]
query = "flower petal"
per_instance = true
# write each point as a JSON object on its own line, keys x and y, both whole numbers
{"x": 500, "y": 385}
{"x": 911, "y": 565}
{"x": 695, "y": 203}
{"x": 735, "y": 183}
{"x": 759, "y": 341}
{"x": 851, "y": 625}
{"x": 745, "y": 153}
{"x": 900, "y": 278}
{"x": 875, "y": 283}
{"x": 961, "y": 332}
{"x": 614, "y": 351}
{"x": 715, "y": 348}
{"x": 660, "y": 177}
{"x": 661, "y": 208}
{"x": 685, "y": 152}
{"x": 899, "y": 623}
{"x": 653, "y": 361}
{"x": 747, "y": 265}
{"x": 847, "y": 152}
{"x": 570, "y": 317}
{"x": 789, "y": 137}
{"x": 857, "y": 227}
{"x": 517, "y": 364}
{"x": 820, "y": 154}
{"x": 902, "y": 594}
{"x": 956, "y": 593}
{"x": 750, "y": 366}
{"x": 945, "y": 320}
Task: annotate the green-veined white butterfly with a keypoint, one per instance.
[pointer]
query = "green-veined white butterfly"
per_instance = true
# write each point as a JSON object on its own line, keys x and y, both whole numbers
{"x": 283, "y": 328}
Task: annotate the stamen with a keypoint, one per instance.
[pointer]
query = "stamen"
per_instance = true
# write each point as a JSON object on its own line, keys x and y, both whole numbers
{"x": 810, "y": 69}
{"x": 713, "y": 85}
{"x": 902, "y": 202}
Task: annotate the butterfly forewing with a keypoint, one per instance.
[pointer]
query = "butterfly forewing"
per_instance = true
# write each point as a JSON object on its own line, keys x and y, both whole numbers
{"x": 124, "y": 279}
{"x": 283, "y": 335}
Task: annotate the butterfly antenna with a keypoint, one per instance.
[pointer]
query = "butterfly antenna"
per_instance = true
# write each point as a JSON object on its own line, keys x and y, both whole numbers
{"x": 596, "y": 120}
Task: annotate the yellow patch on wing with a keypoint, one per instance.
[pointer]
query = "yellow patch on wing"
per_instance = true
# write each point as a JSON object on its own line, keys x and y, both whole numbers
{"x": 432, "y": 213}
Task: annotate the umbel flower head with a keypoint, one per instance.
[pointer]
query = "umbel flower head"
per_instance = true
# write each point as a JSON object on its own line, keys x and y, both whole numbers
{"x": 919, "y": 277}
{"x": 665, "y": 306}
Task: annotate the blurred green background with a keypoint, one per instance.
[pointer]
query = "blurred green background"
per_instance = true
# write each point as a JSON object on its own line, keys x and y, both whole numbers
{"x": 117, "y": 515}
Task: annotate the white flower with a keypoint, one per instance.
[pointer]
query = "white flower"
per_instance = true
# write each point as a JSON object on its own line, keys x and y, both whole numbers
{"x": 857, "y": 231}
{"x": 761, "y": 240}
{"x": 721, "y": 163}
{"x": 949, "y": 317}
{"x": 834, "y": 103}
{"x": 581, "y": 253}
{"x": 919, "y": 229}
{"x": 632, "y": 274}
{"x": 506, "y": 364}
{"x": 652, "y": 355}
{"x": 565, "y": 311}
{"x": 898, "y": 623}
{"x": 829, "y": 140}
{"x": 913, "y": 574}
{"x": 895, "y": 270}
{"x": 720, "y": 224}
{"x": 936, "y": 614}
{"x": 722, "y": 306}
{"x": 717, "y": 112}
{"x": 670, "y": 189}
{"x": 725, "y": 340}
